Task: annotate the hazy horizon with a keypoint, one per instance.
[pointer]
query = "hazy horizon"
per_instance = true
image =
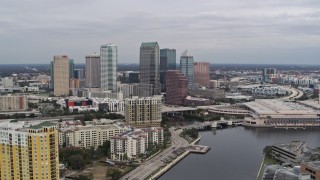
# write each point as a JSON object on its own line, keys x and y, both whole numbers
{"x": 231, "y": 32}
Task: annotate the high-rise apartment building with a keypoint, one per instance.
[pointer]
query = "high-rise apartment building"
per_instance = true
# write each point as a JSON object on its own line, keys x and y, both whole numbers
{"x": 177, "y": 87}
{"x": 167, "y": 62}
{"x": 202, "y": 73}
{"x": 61, "y": 75}
{"x": 150, "y": 65}
{"x": 143, "y": 112}
{"x": 93, "y": 71}
{"x": 29, "y": 153}
{"x": 109, "y": 60}
{"x": 187, "y": 68}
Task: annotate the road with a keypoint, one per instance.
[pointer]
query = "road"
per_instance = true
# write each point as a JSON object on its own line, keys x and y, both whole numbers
{"x": 151, "y": 165}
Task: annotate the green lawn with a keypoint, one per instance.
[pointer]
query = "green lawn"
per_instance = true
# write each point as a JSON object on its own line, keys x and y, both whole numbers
{"x": 266, "y": 161}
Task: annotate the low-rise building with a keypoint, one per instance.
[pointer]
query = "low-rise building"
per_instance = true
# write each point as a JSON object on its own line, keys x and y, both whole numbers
{"x": 293, "y": 153}
{"x": 88, "y": 136}
{"x": 13, "y": 103}
{"x": 208, "y": 93}
{"x": 193, "y": 101}
{"x": 312, "y": 168}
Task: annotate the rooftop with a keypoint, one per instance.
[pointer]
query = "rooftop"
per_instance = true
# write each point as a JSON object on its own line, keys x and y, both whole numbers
{"x": 279, "y": 107}
{"x": 149, "y": 44}
{"x": 293, "y": 146}
{"x": 314, "y": 164}
{"x": 41, "y": 125}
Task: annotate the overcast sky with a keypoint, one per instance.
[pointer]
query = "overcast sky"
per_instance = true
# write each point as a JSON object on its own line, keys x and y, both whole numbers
{"x": 216, "y": 31}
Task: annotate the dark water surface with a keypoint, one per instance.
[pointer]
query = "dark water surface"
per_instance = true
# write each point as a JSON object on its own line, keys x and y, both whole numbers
{"x": 236, "y": 153}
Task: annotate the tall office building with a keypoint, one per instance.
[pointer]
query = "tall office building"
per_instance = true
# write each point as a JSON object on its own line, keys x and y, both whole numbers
{"x": 51, "y": 75}
{"x": 109, "y": 60}
{"x": 177, "y": 87}
{"x": 269, "y": 74}
{"x": 149, "y": 65}
{"x": 187, "y": 68}
{"x": 78, "y": 74}
{"x": 202, "y": 73}
{"x": 71, "y": 68}
{"x": 143, "y": 112}
{"x": 136, "y": 89}
{"x": 167, "y": 62}
{"x": 61, "y": 75}
{"x": 93, "y": 69}
{"x": 29, "y": 153}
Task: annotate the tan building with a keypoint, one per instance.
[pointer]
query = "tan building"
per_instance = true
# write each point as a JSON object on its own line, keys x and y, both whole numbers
{"x": 74, "y": 83}
{"x": 312, "y": 168}
{"x": 202, "y": 73}
{"x": 13, "y": 103}
{"x": 89, "y": 136}
{"x": 61, "y": 75}
{"x": 143, "y": 112}
{"x": 29, "y": 153}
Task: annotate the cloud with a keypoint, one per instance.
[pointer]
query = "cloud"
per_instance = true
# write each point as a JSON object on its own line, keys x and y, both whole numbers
{"x": 205, "y": 27}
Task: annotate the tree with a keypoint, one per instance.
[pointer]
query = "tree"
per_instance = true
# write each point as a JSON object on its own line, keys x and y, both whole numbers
{"x": 104, "y": 149}
{"x": 114, "y": 173}
{"x": 75, "y": 157}
{"x": 267, "y": 152}
{"x": 76, "y": 161}
{"x": 84, "y": 177}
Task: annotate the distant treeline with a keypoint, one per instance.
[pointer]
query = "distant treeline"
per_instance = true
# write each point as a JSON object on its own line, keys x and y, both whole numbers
{"x": 8, "y": 69}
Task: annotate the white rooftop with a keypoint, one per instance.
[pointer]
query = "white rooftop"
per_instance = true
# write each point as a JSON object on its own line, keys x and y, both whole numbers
{"x": 279, "y": 107}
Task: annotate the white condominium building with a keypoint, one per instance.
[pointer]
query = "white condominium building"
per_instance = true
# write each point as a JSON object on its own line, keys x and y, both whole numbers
{"x": 89, "y": 136}
{"x": 143, "y": 112}
{"x": 131, "y": 145}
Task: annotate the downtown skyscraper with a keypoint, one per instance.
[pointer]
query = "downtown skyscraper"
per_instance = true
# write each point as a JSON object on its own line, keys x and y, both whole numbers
{"x": 150, "y": 65}
{"x": 93, "y": 69}
{"x": 167, "y": 62}
{"x": 202, "y": 74}
{"x": 60, "y": 75}
{"x": 109, "y": 60}
{"x": 187, "y": 68}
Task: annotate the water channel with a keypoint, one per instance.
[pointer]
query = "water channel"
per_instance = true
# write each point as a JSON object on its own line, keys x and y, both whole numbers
{"x": 236, "y": 153}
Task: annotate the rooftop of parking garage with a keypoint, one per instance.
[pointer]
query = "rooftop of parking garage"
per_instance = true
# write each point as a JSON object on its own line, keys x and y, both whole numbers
{"x": 311, "y": 103}
{"x": 279, "y": 107}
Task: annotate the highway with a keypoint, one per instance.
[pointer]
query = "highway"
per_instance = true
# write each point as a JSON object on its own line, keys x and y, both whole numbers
{"x": 151, "y": 165}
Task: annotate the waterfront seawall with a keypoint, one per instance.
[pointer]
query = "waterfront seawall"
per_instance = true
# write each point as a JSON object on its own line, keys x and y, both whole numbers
{"x": 170, "y": 165}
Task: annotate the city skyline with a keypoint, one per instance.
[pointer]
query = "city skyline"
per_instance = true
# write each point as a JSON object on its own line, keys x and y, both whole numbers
{"x": 249, "y": 31}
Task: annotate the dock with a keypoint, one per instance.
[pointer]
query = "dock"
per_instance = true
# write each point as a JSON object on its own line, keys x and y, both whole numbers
{"x": 198, "y": 149}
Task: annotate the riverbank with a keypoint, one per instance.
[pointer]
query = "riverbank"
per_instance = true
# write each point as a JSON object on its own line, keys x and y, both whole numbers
{"x": 265, "y": 161}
